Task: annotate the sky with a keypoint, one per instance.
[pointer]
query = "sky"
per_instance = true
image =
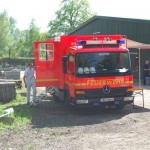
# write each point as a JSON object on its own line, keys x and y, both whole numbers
{"x": 23, "y": 11}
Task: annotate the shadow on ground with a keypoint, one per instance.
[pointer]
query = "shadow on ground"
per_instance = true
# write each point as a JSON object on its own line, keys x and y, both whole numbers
{"x": 51, "y": 114}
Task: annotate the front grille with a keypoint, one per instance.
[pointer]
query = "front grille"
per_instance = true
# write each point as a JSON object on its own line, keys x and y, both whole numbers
{"x": 98, "y": 93}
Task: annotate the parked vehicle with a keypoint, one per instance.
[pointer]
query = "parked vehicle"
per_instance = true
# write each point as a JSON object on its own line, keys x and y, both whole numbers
{"x": 91, "y": 70}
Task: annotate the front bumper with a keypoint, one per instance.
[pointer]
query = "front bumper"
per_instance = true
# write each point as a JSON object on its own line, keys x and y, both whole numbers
{"x": 113, "y": 101}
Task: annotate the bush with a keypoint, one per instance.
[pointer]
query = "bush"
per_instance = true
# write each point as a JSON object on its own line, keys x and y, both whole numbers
{"x": 16, "y": 61}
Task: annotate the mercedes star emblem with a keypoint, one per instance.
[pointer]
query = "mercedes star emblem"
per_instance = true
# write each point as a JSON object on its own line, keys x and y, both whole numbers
{"x": 106, "y": 89}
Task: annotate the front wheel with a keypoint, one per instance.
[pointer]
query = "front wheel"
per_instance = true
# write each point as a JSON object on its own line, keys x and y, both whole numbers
{"x": 67, "y": 96}
{"x": 68, "y": 102}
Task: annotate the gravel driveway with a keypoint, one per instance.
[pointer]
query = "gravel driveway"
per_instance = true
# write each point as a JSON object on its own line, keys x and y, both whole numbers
{"x": 55, "y": 128}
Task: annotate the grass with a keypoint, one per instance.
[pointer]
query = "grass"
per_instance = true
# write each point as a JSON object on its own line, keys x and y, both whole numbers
{"x": 18, "y": 120}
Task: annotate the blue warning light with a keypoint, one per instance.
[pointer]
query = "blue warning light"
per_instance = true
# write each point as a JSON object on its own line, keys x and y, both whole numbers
{"x": 122, "y": 41}
{"x": 81, "y": 42}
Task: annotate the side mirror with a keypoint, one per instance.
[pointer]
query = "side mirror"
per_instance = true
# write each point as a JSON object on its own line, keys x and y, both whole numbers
{"x": 64, "y": 64}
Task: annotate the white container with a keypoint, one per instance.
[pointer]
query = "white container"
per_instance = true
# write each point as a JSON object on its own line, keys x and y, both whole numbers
{"x": 9, "y": 111}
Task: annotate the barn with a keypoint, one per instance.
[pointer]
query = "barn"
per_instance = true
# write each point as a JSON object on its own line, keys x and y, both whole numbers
{"x": 137, "y": 30}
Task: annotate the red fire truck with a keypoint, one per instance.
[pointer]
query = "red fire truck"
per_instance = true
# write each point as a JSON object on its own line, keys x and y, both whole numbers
{"x": 91, "y": 70}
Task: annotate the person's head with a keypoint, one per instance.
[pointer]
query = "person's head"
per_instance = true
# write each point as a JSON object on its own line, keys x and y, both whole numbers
{"x": 30, "y": 65}
{"x": 147, "y": 62}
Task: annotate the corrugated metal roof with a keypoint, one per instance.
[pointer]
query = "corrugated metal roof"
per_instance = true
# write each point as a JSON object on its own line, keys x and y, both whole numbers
{"x": 119, "y": 20}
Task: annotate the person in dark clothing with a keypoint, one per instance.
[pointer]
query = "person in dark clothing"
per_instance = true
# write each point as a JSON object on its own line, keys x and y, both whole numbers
{"x": 146, "y": 69}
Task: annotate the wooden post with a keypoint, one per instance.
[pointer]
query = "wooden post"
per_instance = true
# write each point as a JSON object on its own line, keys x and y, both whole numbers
{"x": 139, "y": 67}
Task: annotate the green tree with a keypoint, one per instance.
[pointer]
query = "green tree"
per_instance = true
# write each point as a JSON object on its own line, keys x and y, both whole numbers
{"x": 14, "y": 42}
{"x": 43, "y": 36}
{"x": 7, "y": 28}
{"x": 70, "y": 14}
{"x": 31, "y": 35}
{"x": 12, "y": 37}
{"x": 19, "y": 44}
{"x": 27, "y": 39}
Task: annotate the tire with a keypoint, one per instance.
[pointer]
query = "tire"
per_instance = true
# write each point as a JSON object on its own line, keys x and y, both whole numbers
{"x": 68, "y": 101}
{"x": 7, "y": 91}
{"x": 67, "y": 96}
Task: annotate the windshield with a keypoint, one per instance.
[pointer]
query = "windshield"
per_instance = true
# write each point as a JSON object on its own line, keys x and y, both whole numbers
{"x": 102, "y": 63}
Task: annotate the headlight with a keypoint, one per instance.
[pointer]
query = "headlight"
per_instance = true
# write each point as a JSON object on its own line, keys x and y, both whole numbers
{"x": 130, "y": 90}
{"x": 80, "y": 92}
{"x": 128, "y": 98}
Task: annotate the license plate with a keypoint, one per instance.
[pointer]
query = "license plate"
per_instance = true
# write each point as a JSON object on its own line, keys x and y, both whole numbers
{"x": 106, "y": 99}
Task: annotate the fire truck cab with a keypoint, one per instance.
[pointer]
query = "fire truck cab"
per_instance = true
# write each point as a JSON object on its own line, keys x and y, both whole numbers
{"x": 92, "y": 70}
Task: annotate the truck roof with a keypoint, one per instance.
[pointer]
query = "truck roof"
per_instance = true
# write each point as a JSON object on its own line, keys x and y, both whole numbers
{"x": 80, "y": 49}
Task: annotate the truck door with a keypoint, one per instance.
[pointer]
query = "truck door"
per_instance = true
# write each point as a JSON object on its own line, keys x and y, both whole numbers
{"x": 71, "y": 74}
{"x": 46, "y": 73}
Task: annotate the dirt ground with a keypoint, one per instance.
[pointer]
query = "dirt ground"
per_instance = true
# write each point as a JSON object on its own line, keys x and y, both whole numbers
{"x": 55, "y": 128}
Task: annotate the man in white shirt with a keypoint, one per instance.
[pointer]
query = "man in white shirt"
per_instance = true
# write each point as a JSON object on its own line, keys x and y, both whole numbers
{"x": 29, "y": 80}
